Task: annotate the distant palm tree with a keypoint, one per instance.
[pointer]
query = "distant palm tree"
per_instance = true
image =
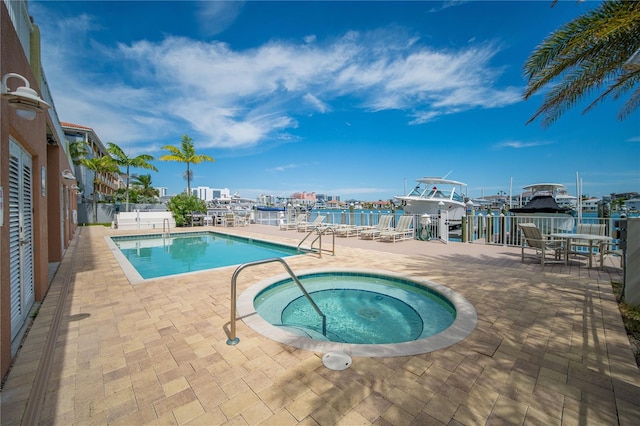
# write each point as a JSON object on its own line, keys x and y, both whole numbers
{"x": 186, "y": 153}
{"x": 99, "y": 166}
{"x": 586, "y": 54}
{"x": 77, "y": 151}
{"x": 143, "y": 182}
{"x": 122, "y": 160}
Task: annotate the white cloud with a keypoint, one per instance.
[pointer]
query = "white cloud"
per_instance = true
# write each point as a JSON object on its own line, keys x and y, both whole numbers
{"x": 316, "y": 103}
{"x": 243, "y": 98}
{"x": 216, "y": 16}
{"x": 520, "y": 144}
{"x": 283, "y": 168}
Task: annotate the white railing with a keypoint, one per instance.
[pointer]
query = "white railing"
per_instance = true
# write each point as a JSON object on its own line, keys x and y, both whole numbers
{"x": 19, "y": 15}
{"x": 494, "y": 228}
{"x": 503, "y": 229}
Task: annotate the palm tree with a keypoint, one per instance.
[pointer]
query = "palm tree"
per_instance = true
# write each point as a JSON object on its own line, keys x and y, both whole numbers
{"x": 143, "y": 182}
{"x": 185, "y": 154}
{"x": 77, "y": 151}
{"x": 123, "y": 160}
{"x": 99, "y": 166}
{"x": 587, "y": 55}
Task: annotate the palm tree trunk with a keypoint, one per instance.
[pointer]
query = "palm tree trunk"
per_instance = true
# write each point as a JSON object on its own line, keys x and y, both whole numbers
{"x": 95, "y": 204}
{"x": 188, "y": 180}
{"x": 126, "y": 201}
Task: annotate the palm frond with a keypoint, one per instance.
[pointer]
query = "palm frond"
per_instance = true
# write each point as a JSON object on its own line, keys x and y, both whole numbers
{"x": 585, "y": 55}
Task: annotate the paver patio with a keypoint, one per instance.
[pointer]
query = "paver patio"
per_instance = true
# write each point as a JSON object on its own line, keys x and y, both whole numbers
{"x": 549, "y": 347}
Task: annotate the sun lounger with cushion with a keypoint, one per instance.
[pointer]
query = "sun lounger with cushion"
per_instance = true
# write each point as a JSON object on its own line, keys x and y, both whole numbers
{"x": 402, "y": 231}
{"x": 373, "y": 233}
{"x": 308, "y": 226}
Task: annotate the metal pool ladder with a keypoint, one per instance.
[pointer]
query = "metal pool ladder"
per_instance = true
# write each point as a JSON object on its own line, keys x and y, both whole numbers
{"x": 233, "y": 340}
{"x": 166, "y": 230}
{"x": 320, "y": 231}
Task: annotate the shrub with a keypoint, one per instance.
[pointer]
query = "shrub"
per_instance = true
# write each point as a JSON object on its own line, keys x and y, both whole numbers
{"x": 183, "y": 204}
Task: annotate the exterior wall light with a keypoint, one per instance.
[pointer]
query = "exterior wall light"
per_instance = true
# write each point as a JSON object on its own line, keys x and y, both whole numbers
{"x": 67, "y": 174}
{"x": 24, "y": 99}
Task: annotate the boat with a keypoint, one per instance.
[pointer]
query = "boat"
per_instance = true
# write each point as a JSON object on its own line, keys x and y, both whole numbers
{"x": 270, "y": 208}
{"x": 426, "y": 197}
{"x": 543, "y": 203}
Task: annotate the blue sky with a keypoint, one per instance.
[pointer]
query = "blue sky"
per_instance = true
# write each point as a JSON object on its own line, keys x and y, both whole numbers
{"x": 356, "y": 99}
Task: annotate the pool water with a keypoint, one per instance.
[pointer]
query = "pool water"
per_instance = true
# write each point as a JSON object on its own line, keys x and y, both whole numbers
{"x": 154, "y": 256}
{"x": 359, "y": 308}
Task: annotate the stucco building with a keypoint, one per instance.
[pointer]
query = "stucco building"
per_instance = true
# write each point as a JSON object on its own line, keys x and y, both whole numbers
{"x": 37, "y": 186}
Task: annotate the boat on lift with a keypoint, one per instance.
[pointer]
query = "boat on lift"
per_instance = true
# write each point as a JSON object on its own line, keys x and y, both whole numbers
{"x": 544, "y": 203}
{"x": 426, "y": 197}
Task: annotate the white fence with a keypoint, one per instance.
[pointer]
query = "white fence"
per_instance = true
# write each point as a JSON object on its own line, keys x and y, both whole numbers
{"x": 492, "y": 229}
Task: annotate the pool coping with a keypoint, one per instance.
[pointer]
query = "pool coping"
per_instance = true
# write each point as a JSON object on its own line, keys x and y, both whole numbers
{"x": 134, "y": 276}
{"x": 465, "y": 322}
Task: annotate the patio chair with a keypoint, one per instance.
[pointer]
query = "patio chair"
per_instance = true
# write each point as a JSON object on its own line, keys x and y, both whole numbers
{"x": 402, "y": 231}
{"x": 197, "y": 218}
{"x": 229, "y": 219}
{"x": 541, "y": 246}
{"x": 373, "y": 233}
{"x": 582, "y": 247}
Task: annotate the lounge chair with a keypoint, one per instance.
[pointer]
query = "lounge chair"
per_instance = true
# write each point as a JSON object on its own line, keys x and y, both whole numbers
{"x": 308, "y": 226}
{"x": 402, "y": 231}
{"x": 288, "y": 226}
{"x": 347, "y": 230}
{"x": 542, "y": 246}
{"x": 373, "y": 233}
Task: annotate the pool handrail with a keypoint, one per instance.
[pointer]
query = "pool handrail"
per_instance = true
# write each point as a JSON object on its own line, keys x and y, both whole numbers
{"x": 320, "y": 230}
{"x": 233, "y": 339}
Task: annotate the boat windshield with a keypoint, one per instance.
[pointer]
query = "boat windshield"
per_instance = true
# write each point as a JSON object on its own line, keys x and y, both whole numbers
{"x": 438, "y": 193}
{"x": 433, "y": 192}
{"x": 416, "y": 192}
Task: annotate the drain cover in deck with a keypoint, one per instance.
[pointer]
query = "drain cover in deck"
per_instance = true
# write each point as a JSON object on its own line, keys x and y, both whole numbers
{"x": 336, "y": 360}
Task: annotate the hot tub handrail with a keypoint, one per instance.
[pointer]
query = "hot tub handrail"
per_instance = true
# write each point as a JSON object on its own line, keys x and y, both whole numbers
{"x": 233, "y": 340}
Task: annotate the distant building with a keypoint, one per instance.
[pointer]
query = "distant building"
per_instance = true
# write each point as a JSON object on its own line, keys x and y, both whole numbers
{"x": 266, "y": 200}
{"x": 304, "y": 196}
{"x": 108, "y": 183}
{"x": 162, "y": 191}
{"x": 633, "y": 204}
{"x": 625, "y": 196}
{"x": 590, "y": 205}
{"x": 211, "y": 194}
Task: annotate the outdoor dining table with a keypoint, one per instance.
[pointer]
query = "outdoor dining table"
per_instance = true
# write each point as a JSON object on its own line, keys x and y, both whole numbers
{"x": 594, "y": 241}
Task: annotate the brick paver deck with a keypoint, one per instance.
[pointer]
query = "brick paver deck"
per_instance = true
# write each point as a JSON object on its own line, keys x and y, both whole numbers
{"x": 549, "y": 348}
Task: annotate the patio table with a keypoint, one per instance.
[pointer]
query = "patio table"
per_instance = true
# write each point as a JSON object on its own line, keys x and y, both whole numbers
{"x": 594, "y": 241}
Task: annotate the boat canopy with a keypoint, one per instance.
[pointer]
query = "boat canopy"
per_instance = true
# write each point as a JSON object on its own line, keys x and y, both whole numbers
{"x": 550, "y": 188}
{"x": 439, "y": 181}
{"x": 541, "y": 204}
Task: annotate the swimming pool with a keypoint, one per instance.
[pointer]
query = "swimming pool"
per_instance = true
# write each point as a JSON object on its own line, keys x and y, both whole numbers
{"x": 397, "y": 314}
{"x": 149, "y": 256}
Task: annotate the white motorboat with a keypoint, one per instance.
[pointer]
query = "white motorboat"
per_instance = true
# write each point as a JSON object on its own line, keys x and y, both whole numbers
{"x": 426, "y": 197}
{"x": 543, "y": 204}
